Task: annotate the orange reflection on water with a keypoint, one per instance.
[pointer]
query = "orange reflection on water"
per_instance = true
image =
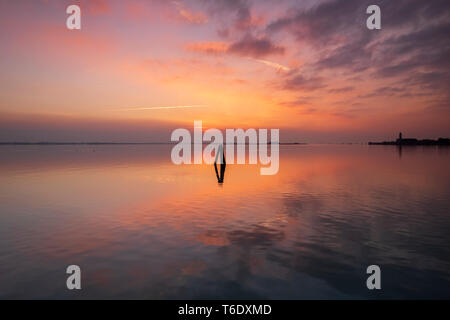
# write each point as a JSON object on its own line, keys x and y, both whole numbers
{"x": 127, "y": 211}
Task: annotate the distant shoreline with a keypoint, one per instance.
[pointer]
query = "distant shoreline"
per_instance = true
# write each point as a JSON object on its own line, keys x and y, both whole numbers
{"x": 413, "y": 142}
{"x": 113, "y": 143}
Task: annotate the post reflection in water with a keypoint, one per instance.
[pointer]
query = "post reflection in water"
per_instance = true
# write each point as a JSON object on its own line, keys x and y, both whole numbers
{"x": 220, "y": 157}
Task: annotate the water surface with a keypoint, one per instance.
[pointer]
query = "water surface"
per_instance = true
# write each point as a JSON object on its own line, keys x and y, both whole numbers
{"x": 141, "y": 227}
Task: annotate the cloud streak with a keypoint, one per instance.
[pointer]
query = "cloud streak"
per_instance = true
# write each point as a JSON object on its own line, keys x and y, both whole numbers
{"x": 273, "y": 65}
{"x": 162, "y": 108}
{"x": 188, "y": 15}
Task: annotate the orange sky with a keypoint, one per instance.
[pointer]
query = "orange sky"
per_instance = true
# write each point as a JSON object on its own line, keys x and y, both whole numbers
{"x": 231, "y": 64}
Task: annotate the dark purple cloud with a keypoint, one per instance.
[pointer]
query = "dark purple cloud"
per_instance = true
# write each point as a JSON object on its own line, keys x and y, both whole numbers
{"x": 412, "y": 48}
{"x": 54, "y": 128}
{"x": 239, "y": 11}
{"x": 384, "y": 91}
{"x": 255, "y": 47}
{"x": 300, "y": 82}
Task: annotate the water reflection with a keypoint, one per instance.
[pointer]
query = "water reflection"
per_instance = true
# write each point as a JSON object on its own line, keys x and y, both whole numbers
{"x": 220, "y": 158}
{"x": 141, "y": 227}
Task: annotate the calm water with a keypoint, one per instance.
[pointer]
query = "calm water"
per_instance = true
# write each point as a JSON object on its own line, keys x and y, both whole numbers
{"x": 141, "y": 227}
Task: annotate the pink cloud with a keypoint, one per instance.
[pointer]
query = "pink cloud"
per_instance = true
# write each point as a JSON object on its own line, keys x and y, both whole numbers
{"x": 209, "y": 47}
{"x": 96, "y": 7}
{"x": 189, "y": 15}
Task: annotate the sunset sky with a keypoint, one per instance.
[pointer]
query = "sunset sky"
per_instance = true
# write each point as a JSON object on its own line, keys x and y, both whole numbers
{"x": 140, "y": 68}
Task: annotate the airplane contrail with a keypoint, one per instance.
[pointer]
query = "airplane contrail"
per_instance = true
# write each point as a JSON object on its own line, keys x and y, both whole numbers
{"x": 162, "y": 108}
{"x": 273, "y": 64}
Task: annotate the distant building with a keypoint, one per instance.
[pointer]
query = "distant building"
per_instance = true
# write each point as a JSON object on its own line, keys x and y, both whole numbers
{"x": 401, "y": 141}
{"x": 414, "y": 142}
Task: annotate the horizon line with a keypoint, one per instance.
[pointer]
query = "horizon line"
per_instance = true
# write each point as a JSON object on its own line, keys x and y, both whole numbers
{"x": 159, "y": 143}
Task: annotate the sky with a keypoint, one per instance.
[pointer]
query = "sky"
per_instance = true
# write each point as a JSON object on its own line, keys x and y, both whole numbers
{"x": 138, "y": 69}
